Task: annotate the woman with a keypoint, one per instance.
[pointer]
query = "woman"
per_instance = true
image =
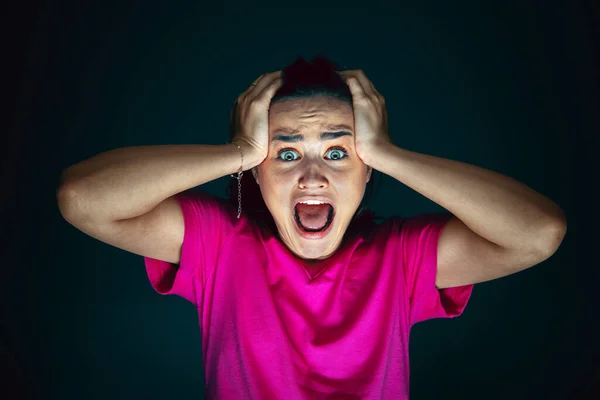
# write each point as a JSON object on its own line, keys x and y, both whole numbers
{"x": 300, "y": 294}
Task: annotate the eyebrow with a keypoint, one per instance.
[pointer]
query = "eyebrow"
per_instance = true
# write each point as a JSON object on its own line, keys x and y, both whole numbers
{"x": 292, "y": 135}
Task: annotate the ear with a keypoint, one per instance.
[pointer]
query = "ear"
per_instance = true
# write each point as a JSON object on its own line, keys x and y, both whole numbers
{"x": 255, "y": 173}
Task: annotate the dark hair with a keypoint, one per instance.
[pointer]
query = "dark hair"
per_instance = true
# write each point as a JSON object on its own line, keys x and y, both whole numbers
{"x": 300, "y": 79}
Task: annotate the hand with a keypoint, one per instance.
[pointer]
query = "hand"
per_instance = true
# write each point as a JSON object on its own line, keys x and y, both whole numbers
{"x": 250, "y": 114}
{"x": 370, "y": 113}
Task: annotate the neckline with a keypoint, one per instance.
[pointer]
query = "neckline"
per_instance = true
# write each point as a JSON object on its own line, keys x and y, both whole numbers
{"x": 349, "y": 241}
{"x": 313, "y": 271}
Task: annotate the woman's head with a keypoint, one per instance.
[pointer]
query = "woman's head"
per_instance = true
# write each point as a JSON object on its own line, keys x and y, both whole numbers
{"x": 312, "y": 101}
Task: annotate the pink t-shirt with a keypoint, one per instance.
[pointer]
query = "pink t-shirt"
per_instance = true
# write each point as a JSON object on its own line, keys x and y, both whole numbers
{"x": 275, "y": 328}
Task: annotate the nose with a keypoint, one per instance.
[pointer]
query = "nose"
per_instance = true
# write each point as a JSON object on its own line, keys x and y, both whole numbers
{"x": 313, "y": 178}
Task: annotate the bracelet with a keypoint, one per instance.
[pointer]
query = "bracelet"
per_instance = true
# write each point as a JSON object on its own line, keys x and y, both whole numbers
{"x": 239, "y": 178}
{"x": 240, "y": 173}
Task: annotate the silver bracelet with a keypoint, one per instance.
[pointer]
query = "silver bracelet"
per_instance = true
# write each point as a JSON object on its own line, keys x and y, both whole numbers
{"x": 239, "y": 178}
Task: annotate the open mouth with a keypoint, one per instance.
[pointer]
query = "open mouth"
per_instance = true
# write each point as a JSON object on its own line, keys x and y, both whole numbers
{"x": 330, "y": 216}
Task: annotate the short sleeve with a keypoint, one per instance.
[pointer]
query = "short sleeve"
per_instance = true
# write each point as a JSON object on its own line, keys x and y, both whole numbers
{"x": 208, "y": 222}
{"x": 419, "y": 236}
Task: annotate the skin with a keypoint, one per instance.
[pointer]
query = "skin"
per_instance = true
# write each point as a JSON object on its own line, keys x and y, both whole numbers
{"x": 313, "y": 170}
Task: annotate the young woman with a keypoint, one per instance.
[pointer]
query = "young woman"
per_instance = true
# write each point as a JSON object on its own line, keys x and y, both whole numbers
{"x": 300, "y": 293}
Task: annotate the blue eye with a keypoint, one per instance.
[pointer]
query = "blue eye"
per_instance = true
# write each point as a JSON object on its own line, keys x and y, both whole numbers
{"x": 286, "y": 158}
{"x": 340, "y": 151}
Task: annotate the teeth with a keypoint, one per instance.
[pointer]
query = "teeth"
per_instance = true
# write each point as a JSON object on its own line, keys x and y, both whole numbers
{"x": 313, "y": 202}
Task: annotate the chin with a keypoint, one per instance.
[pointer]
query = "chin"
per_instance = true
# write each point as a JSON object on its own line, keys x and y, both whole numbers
{"x": 316, "y": 249}
{"x": 313, "y": 254}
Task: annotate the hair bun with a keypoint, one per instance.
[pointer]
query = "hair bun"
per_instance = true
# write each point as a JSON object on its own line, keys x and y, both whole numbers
{"x": 319, "y": 72}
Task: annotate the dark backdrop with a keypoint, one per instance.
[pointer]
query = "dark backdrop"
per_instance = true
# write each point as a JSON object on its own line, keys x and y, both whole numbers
{"x": 510, "y": 87}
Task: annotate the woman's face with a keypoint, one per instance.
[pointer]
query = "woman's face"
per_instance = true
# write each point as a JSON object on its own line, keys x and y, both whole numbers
{"x": 310, "y": 166}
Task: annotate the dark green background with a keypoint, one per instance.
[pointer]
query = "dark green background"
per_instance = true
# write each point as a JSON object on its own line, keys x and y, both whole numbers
{"x": 506, "y": 87}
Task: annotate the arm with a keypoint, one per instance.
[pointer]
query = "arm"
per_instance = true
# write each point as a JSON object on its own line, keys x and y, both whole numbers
{"x": 500, "y": 226}
{"x": 498, "y": 208}
{"x": 128, "y": 182}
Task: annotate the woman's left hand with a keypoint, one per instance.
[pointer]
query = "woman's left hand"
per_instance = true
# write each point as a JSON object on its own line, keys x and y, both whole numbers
{"x": 370, "y": 114}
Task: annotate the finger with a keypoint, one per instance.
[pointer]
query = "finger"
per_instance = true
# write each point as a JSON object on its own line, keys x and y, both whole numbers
{"x": 244, "y": 94}
{"x": 253, "y": 84}
{"x": 359, "y": 82}
{"x": 367, "y": 85}
{"x": 258, "y": 82}
{"x": 358, "y": 92}
{"x": 378, "y": 95}
{"x": 374, "y": 90}
{"x": 264, "y": 80}
{"x": 356, "y": 88}
{"x": 268, "y": 92}
{"x": 265, "y": 86}
{"x": 365, "y": 82}
{"x": 251, "y": 87}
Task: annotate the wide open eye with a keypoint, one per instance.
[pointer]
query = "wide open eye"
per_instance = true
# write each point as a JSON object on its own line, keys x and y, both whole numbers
{"x": 287, "y": 155}
{"x": 335, "y": 154}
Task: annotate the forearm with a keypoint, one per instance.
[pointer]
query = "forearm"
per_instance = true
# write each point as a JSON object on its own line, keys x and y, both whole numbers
{"x": 127, "y": 182}
{"x": 496, "y": 207}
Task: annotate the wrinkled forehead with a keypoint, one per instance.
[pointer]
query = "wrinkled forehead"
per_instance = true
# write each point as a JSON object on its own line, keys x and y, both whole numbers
{"x": 309, "y": 112}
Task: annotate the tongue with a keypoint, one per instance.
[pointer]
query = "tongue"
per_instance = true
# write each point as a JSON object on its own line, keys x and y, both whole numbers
{"x": 313, "y": 216}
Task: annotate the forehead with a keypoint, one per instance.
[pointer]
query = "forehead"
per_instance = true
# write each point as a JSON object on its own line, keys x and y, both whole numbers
{"x": 306, "y": 112}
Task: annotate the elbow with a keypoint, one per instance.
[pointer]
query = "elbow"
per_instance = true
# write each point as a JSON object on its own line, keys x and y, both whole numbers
{"x": 553, "y": 237}
{"x": 66, "y": 198}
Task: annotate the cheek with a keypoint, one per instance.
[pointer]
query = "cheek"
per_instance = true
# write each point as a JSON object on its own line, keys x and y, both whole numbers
{"x": 353, "y": 189}
{"x": 274, "y": 185}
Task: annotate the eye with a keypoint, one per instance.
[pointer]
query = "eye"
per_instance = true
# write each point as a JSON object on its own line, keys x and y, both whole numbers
{"x": 336, "y": 154}
{"x": 288, "y": 155}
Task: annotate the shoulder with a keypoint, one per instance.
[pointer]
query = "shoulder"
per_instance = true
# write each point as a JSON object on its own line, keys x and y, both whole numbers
{"x": 412, "y": 232}
{"x": 200, "y": 207}
{"x": 420, "y": 222}
{"x": 207, "y": 200}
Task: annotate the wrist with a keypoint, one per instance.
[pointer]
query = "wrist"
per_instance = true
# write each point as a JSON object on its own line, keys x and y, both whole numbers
{"x": 251, "y": 156}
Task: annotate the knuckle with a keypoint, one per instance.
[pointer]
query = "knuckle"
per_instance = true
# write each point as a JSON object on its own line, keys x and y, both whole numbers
{"x": 363, "y": 100}
{"x": 255, "y": 104}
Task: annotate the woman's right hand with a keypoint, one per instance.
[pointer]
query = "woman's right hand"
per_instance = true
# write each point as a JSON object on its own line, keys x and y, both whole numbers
{"x": 250, "y": 113}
